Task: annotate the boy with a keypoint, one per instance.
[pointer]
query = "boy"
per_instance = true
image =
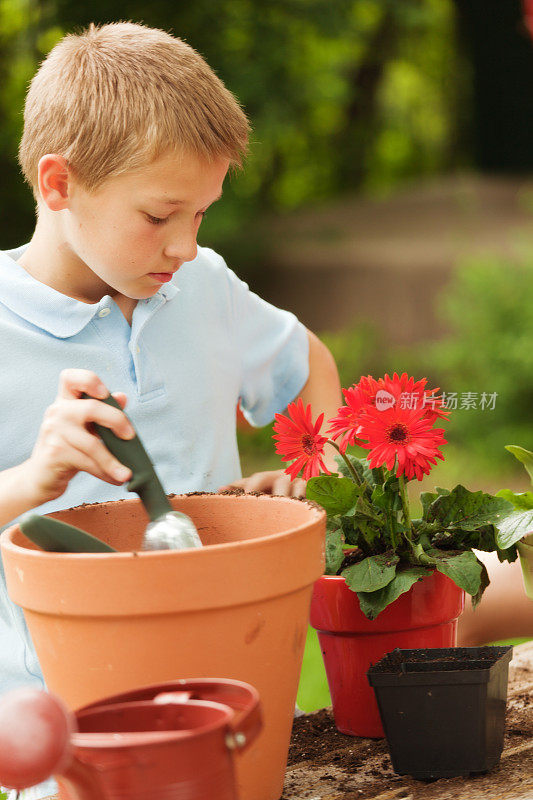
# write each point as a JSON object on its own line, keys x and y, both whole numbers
{"x": 128, "y": 136}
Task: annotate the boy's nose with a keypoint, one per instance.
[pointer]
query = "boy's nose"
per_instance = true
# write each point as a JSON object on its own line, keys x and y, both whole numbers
{"x": 184, "y": 250}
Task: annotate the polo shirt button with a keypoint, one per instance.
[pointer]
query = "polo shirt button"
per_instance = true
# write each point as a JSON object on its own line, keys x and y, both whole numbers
{"x": 104, "y": 312}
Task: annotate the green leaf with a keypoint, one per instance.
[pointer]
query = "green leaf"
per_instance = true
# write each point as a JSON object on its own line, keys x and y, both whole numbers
{"x": 379, "y": 498}
{"x": 360, "y": 515}
{"x": 485, "y": 580}
{"x": 387, "y": 497}
{"x": 523, "y": 455}
{"x": 423, "y": 528}
{"x": 392, "y": 484}
{"x": 351, "y": 531}
{"x": 373, "y": 603}
{"x": 334, "y": 551}
{"x": 360, "y": 466}
{"x": 522, "y": 501}
{"x": 510, "y": 554}
{"x": 371, "y": 573}
{"x": 333, "y": 523}
{"x": 463, "y": 568}
{"x": 467, "y": 510}
{"x": 335, "y": 495}
{"x": 359, "y": 531}
{"x": 427, "y": 498}
{"x": 514, "y": 527}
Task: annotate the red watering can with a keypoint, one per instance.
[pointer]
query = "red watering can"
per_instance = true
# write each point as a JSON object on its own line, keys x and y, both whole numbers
{"x": 172, "y": 741}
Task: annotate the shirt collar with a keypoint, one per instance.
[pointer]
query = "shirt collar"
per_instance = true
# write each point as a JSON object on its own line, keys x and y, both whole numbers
{"x": 39, "y": 304}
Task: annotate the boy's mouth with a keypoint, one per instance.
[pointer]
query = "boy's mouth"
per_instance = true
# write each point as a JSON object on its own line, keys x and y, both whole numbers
{"x": 161, "y": 277}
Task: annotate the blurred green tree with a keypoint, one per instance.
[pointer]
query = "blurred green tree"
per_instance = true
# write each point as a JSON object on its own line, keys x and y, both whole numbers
{"x": 342, "y": 94}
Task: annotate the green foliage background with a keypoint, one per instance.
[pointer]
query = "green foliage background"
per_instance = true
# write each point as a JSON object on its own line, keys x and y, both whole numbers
{"x": 342, "y": 95}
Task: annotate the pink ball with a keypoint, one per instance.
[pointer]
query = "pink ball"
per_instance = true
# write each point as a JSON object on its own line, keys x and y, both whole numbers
{"x": 35, "y": 729}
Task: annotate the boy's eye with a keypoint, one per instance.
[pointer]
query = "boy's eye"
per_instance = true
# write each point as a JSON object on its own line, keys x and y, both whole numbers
{"x": 162, "y": 220}
{"x": 156, "y": 220}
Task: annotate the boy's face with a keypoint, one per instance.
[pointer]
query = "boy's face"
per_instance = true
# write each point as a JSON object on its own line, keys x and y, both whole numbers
{"x": 129, "y": 234}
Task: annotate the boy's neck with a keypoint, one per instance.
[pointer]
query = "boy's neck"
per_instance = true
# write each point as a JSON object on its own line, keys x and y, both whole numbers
{"x": 50, "y": 260}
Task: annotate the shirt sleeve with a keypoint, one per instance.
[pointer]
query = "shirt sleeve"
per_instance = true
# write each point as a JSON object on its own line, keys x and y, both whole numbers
{"x": 274, "y": 352}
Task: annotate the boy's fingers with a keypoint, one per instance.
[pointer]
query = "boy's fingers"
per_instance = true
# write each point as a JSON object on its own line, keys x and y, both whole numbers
{"x": 298, "y": 487}
{"x": 109, "y": 417}
{"x": 103, "y": 464}
{"x": 121, "y": 398}
{"x": 275, "y": 481}
{"x": 282, "y": 485}
{"x": 73, "y": 382}
{"x": 77, "y": 461}
{"x": 258, "y": 482}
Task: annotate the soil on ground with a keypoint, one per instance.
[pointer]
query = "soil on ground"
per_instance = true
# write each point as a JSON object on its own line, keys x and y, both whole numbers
{"x": 327, "y": 765}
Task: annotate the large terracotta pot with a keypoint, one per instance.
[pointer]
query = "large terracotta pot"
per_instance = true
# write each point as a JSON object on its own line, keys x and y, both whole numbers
{"x": 239, "y": 608}
{"x": 425, "y": 616}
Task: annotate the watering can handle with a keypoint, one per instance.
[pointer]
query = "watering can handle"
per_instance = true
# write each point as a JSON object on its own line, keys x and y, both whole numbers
{"x": 245, "y": 728}
{"x": 247, "y": 722}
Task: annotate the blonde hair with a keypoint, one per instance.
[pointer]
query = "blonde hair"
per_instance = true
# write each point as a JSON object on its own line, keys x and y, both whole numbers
{"x": 117, "y": 96}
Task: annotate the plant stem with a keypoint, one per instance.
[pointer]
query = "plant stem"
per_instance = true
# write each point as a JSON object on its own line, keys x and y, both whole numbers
{"x": 390, "y": 516}
{"x": 348, "y": 463}
{"x": 381, "y": 473}
{"x": 405, "y": 508}
{"x": 418, "y": 551}
{"x": 392, "y": 534}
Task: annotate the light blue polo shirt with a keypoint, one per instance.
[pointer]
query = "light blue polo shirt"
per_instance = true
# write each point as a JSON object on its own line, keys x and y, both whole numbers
{"x": 194, "y": 349}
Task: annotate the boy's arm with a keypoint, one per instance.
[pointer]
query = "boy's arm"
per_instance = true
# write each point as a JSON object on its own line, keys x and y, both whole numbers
{"x": 323, "y": 391}
{"x": 16, "y": 494}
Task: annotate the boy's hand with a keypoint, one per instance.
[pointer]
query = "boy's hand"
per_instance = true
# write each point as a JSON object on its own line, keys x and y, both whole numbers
{"x": 66, "y": 443}
{"x": 273, "y": 482}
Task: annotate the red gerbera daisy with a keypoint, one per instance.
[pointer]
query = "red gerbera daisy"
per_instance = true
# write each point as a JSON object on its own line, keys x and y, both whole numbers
{"x": 369, "y": 386}
{"x": 357, "y": 398}
{"x": 412, "y": 394}
{"x": 404, "y": 435}
{"x": 347, "y": 423}
{"x": 298, "y": 438}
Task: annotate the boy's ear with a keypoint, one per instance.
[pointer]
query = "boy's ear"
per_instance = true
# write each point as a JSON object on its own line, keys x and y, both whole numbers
{"x": 53, "y": 174}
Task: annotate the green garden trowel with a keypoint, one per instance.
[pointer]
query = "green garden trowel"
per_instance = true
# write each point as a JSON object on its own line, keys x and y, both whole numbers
{"x": 167, "y": 530}
{"x": 59, "y": 537}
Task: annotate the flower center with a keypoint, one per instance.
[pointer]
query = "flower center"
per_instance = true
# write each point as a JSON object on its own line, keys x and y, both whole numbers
{"x": 308, "y": 444}
{"x": 398, "y": 433}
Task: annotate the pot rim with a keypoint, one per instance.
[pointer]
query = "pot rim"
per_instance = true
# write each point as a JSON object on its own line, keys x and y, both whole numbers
{"x": 6, "y": 537}
{"x": 215, "y": 576}
{"x": 103, "y": 740}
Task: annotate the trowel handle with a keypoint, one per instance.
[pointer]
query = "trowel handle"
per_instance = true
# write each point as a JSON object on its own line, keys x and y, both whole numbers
{"x": 132, "y": 454}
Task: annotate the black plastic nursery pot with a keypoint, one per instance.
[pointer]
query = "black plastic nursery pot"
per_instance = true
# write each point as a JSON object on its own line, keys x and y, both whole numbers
{"x": 443, "y": 709}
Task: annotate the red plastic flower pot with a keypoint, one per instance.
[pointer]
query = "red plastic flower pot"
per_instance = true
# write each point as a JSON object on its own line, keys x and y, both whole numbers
{"x": 425, "y": 616}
